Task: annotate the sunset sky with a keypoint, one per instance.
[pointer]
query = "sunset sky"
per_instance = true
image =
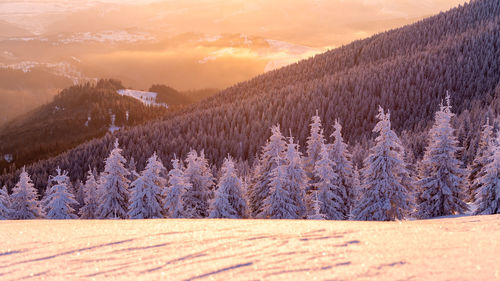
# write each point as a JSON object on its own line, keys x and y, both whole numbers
{"x": 193, "y": 43}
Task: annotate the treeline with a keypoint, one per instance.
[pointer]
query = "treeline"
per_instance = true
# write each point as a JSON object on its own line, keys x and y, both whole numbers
{"x": 283, "y": 184}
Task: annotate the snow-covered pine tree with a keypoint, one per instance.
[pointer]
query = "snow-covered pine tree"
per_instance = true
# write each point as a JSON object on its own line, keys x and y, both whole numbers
{"x": 4, "y": 204}
{"x": 329, "y": 194}
{"x": 60, "y": 198}
{"x": 196, "y": 198}
{"x": 132, "y": 170}
{"x": 146, "y": 195}
{"x": 24, "y": 201}
{"x": 79, "y": 193}
{"x": 441, "y": 177}
{"x": 91, "y": 198}
{"x": 279, "y": 204}
{"x": 314, "y": 142}
{"x": 342, "y": 166}
{"x": 229, "y": 200}
{"x": 356, "y": 186}
{"x": 384, "y": 197}
{"x": 178, "y": 184}
{"x": 476, "y": 170}
{"x": 272, "y": 155}
{"x": 488, "y": 195}
{"x": 316, "y": 207}
{"x": 288, "y": 184}
{"x": 113, "y": 186}
{"x": 297, "y": 180}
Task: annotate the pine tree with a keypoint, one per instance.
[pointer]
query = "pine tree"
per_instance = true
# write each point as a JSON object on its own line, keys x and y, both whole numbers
{"x": 480, "y": 161}
{"x": 229, "y": 201}
{"x": 91, "y": 198}
{"x": 330, "y": 196}
{"x": 24, "y": 202}
{"x": 60, "y": 198}
{"x": 440, "y": 173}
{"x": 146, "y": 192}
{"x": 272, "y": 156}
{"x": 279, "y": 204}
{"x": 288, "y": 183}
{"x": 297, "y": 180}
{"x": 4, "y": 204}
{"x": 314, "y": 142}
{"x": 196, "y": 199}
{"x": 488, "y": 195}
{"x": 113, "y": 187}
{"x": 79, "y": 193}
{"x": 385, "y": 197}
{"x": 316, "y": 214}
{"x": 132, "y": 170}
{"x": 178, "y": 184}
{"x": 342, "y": 166}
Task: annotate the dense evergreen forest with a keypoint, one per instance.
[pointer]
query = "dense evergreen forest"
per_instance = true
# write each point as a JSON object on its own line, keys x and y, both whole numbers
{"x": 321, "y": 184}
{"x": 407, "y": 71}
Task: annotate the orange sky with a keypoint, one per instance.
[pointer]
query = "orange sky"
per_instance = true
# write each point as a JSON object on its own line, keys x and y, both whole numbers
{"x": 202, "y": 43}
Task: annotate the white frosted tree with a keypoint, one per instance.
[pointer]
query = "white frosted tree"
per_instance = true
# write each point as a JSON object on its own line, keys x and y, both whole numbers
{"x": 91, "y": 197}
{"x": 316, "y": 209}
{"x": 288, "y": 184}
{"x": 488, "y": 195}
{"x": 279, "y": 204}
{"x": 113, "y": 187}
{"x": 385, "y": 197}
{"x": 229, "y": 201}
{"x": 343, "y": 167}
{"x": 441, "y": 177}
{"x": 482, "y": 158}
{"x": 196, "y": 198}
{"x": 4, "y": 204}
{"x": 79, "y": 193}
{"x": 60, "y": 199}
{"x": 24, "y": 201}
{"x": 133, "y": 174}
{"x": 272, "y": 156}
{"x": 178, "y": 184}
{"x": 146, "y": 196}
{"x": 330, "y": 196}
{"x": 314, "y": 142}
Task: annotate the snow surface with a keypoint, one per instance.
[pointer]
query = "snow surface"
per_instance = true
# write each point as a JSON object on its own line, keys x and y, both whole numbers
{"x": 147, "y": 98}
{"x": 464, "y": 248}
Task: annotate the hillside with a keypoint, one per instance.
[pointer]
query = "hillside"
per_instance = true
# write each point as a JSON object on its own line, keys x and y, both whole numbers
{"x": 75, "y": 115}
{"x": 22, "y": 91}
{"x": 407, "y": 71}
{"x": 440, "y": 249}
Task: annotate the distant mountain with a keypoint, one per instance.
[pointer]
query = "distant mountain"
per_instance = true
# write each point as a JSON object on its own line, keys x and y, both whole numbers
{"x": 75, "y": 115}
{"x": 407, "y": 71}
{"x": 22, "y": 91}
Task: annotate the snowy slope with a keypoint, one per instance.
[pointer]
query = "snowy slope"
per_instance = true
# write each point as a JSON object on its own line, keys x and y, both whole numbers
{"x": 147, "y": 98}
{"x": 464, "y": 248}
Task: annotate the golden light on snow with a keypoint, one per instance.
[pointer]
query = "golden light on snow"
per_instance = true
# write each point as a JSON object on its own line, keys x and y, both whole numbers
{"x": 463, "y": 248}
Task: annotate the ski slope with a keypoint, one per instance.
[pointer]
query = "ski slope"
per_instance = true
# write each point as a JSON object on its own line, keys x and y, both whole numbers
{"x": 464, "y": 248}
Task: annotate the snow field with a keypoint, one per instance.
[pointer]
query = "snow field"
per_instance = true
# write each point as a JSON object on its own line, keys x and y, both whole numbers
{"x": 464, "y": 248}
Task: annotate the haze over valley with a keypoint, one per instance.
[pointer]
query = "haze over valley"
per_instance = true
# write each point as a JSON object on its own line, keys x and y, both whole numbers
{"x": 48, "y": 45}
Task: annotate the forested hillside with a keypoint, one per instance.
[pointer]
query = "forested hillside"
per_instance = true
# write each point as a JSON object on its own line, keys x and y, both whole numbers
{"x": 407, "y": 71}
{"x": 75, "y": 115}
